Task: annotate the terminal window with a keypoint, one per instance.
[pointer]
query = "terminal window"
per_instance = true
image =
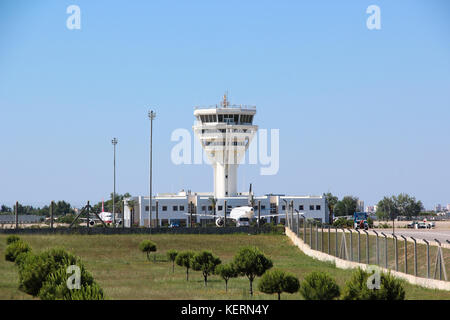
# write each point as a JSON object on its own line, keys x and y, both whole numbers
{"x": 181, "y": 208}
{"x": 164, "y": 208}
{"x": 175, "y": 208}
{"x": 301, "y": 207}
{"x": 311, "y": 207}
{"x": 317, "y": 207}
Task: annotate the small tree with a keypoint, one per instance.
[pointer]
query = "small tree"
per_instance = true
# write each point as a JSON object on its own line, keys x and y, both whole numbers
{"x": 14, "y": 249}
{"x": 184, "y": 259}
{"x": 277, "y": 281}
{"x": 319, "y": 286}
{"x": 172, "y": 255}
{"x": 251, "y": 262}
{"x": 12, "y": 238}
{"x": 148, "y": 246}
{"x": 205, "y": 262}
{"x": 357, "y": 289}
{"x": 226, "y": 272}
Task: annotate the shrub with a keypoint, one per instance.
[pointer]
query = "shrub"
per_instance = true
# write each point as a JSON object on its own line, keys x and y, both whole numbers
{"x": 34, "y": 269}
{"x": 319, "y": 286}
{"x": 251, "y": 262}
{"x": 14, "y": 249}
{"x": 148, "y": 246}
{"x": 343, "y": 223}
{"x": 12, "y": 238}
{"x": 172, "y": 255}
{"x": 226, "y": 271}
{"x": 184, "y": 259}
{"x": 277, "y": 281}
{"x": 55, "y": 286}
{"x": 357, "y": 289}
{"x": 205, "y": 262}
{"x": 45, "y": 276}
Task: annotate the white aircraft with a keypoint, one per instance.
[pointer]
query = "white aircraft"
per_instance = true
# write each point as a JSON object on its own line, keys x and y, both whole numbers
{"x": 241, "y": 215}
{"x": 106, "y": 217}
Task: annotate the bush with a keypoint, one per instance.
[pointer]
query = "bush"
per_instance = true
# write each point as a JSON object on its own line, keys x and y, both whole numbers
{"x": 148, "y": 246}
{"x": 277, "y": 281}
{"x": 12, "y": 238}
{"x": 319, "y": 286}
{"x": 45, "y": 276}
{"x": 55, "y": 286}
{"x": 343, "y": 223}
{"x": 34, "y": 269}
{"x": 14, "y": 249}
{"x": 357, "y": 289}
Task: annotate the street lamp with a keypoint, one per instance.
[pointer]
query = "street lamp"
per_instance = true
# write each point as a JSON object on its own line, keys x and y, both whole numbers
{"x": 114, "y": 142}
{"x": 151, "y": 116}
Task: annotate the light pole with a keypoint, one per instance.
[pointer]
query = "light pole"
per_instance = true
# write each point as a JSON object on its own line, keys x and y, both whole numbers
{"x": 151, "y": 116}
{"x": 114, "y": 142}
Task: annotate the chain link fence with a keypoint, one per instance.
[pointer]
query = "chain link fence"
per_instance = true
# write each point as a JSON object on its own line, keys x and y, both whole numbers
{"x": 419, "y": 257}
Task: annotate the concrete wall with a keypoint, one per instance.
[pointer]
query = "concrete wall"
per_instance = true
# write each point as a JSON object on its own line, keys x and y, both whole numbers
{"x": 344, "y": 264}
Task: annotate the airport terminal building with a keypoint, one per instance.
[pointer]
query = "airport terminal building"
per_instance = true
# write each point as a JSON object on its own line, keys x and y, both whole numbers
{"x": 225, "y": 132}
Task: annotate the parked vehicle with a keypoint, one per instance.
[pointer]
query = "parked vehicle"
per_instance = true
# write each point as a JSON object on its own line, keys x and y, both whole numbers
{"x": 360, "y": 220}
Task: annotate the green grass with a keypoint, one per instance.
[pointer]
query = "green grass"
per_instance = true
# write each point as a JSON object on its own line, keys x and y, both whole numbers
{"x": 124, "y": 272}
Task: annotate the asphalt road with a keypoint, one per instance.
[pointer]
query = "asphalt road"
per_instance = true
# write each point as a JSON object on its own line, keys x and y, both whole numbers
{"x": 427, "y": 234}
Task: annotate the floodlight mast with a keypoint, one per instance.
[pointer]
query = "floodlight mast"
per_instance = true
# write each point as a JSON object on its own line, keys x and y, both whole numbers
{"x": 114, "y": 142}
{"x": 151, "y": 116}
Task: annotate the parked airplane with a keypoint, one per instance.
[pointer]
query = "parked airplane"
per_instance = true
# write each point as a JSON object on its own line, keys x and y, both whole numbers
{"x": 240, "y": 215}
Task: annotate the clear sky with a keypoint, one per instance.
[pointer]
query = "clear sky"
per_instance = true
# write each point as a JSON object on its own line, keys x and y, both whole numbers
{"x": 361, "y": 112}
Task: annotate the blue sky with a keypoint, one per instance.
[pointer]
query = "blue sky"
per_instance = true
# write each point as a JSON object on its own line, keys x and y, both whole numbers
{"x": 361, "y": 112}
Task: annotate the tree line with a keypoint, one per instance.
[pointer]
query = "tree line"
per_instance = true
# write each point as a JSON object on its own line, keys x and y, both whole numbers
{"x": 62, "y": 207}
{"x": 387, "y": 209}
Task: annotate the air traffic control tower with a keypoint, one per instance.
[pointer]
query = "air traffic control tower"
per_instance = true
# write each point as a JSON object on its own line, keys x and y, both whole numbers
{"x": 225, "y": 132}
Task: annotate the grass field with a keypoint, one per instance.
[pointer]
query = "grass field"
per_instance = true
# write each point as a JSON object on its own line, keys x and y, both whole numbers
{"x": 124, "y": 272}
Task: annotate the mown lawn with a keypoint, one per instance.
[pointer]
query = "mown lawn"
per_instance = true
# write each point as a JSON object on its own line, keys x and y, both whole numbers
{"x": 124, "y": 272}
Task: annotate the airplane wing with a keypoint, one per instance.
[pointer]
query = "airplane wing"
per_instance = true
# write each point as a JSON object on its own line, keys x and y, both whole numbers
{"x": 204, "y": 215}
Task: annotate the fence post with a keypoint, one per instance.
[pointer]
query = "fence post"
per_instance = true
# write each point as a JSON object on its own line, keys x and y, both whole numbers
{"x": 225, "y": 208}
{"x": 310, "y": 234}
{"x": 157, "y": 214}
{"x": 395, "y": 252}
{"x": 259, "y": 214}
{"x": 292, "y": 214}
{"x": 406, "y": 253}
{"x": 377, "y": 248}
{"x": 298, "y": 224}
{"x": 415, "y": 256}
{"x": 428, "y": 257}
{"x": 317, "y": 237}
{"x": 16, "y": 212}
{"x": 359, "y": 245}
{"x": 336, "y": 244}
{"x": 51, "y": 213}
{"x": 351, "y": 244}
{"x": 329, "y": 241}
{"x": 367, "y": 247}
{"x": 321, "y": 239}
{"x": 385, "y": 251}
{"x": 304, "y": 229}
